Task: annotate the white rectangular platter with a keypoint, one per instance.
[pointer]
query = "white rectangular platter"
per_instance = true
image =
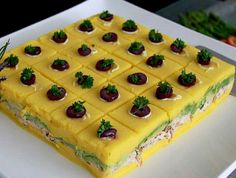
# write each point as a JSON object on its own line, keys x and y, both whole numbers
{"x": 205, "y": 151}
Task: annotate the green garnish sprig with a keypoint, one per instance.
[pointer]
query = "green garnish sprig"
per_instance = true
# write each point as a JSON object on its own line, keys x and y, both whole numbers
{"x": 164, "y": 87}
{"x": 4, "y": 48}
{"x": 178, "y": 43}
{"x": 136, "y": 46}
{"x": 87, "y": 24}
{"x": 111, "y": 89}
{"x": 107, "y": 36}
{"x": 78, "y": 106}
{"x": 156, "y": 58}
{"x": 140, "y": 102}
{"x": 134, "y": 78}
{"x": 204, "y": 55}
{"x": 55, "y": 90}
{"x": 105, "y": 125}
{"x": 59, "y": 61}
{"x": 59, "y": 34}
{"x": 27, "y": 74}
{"x": 79, "y": 76}
{"x": 12, "y": 60}
{"x": 187, "y": 78}
{"x": 107, "y": 62}
{"x": 30, "y": 49}
{"x": 85, "y": 82}
{"x": 105, "y": 14}
{"x": 155, "y": 36}
{"x": 129, "y": 24}
{"x": 84, "y": 47}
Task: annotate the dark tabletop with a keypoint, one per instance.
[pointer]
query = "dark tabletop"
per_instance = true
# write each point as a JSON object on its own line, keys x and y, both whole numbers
{"x": 29, "y": 12}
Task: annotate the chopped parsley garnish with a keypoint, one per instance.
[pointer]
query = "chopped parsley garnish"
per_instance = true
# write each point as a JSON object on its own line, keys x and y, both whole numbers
{"x": 204, "y": 55}
{"x": 107, "y": 36}
{"x": 86, "y": 81}
{"x": 87, "y": 24}
{"x": 156, "y": 58}
{"x": 111, "y": 89}
{"x": 79, "y": 75}
{"x": 59, "y": 62}
{"x": 84, "y": 47}
{"x": 107, "y": 62}
{"x": 129, "y": 24}
{"x": 140, "y": 102}
{"x": 155, "y": 36}
{"x": 136, "y": 46}
{"x": 164, "y": 87}
{"x": 55, "y": 90}
{"x": 12, "y": 60}
{"x": 59, "y": 34}
{"x": 187, "y": 78}
{"x": 27, "y": 74}
{"x": 134, "y": 78}
{"x": 30, "y": 49}
{"x": 105, "y": 125}
{"x": 105, "y": 14}
{"x": 78, "y": 106}
{"x": 178, "y": 43}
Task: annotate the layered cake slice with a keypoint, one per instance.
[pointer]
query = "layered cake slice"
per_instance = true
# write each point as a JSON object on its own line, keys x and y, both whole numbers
{"x": 108, "y": 92}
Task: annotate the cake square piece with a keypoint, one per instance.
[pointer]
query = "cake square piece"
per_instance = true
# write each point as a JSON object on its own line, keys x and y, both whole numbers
{"x": 134, "y": 75}
{"x": 56, "y": 39}
{"x": 71, "y": 81}
{"x": 163, "y": 71}
{"x": 65, "y": 125}
{"x": 117, "y": 67}
{"x": 110, "y": 46}
{"x": 85, "y": 58}
{"x": 57, "y": 66}
{"x": 93, "y": 97}
{"x": 38, "y": 50}
{"x": 75, "y": 30}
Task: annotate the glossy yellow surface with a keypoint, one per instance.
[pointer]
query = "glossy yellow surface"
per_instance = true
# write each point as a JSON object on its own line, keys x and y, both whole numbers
{"x": 30, "y": 60}
{"x": 93, "y": 97}
{"x": 55, "y": 75}
{"x": 136, "y": 89}
{"x": 70, "y": 81}
{"x": 166, "y": 69}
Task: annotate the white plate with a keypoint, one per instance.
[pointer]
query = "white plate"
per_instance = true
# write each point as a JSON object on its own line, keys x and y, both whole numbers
{"x": 205, "y": 151}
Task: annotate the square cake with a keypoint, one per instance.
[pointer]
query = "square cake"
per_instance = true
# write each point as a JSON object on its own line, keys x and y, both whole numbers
{"x": 108, "y": 92}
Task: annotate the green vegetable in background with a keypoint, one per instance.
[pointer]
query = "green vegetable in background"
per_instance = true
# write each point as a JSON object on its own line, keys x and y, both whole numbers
{"x": 208, "y": 24}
